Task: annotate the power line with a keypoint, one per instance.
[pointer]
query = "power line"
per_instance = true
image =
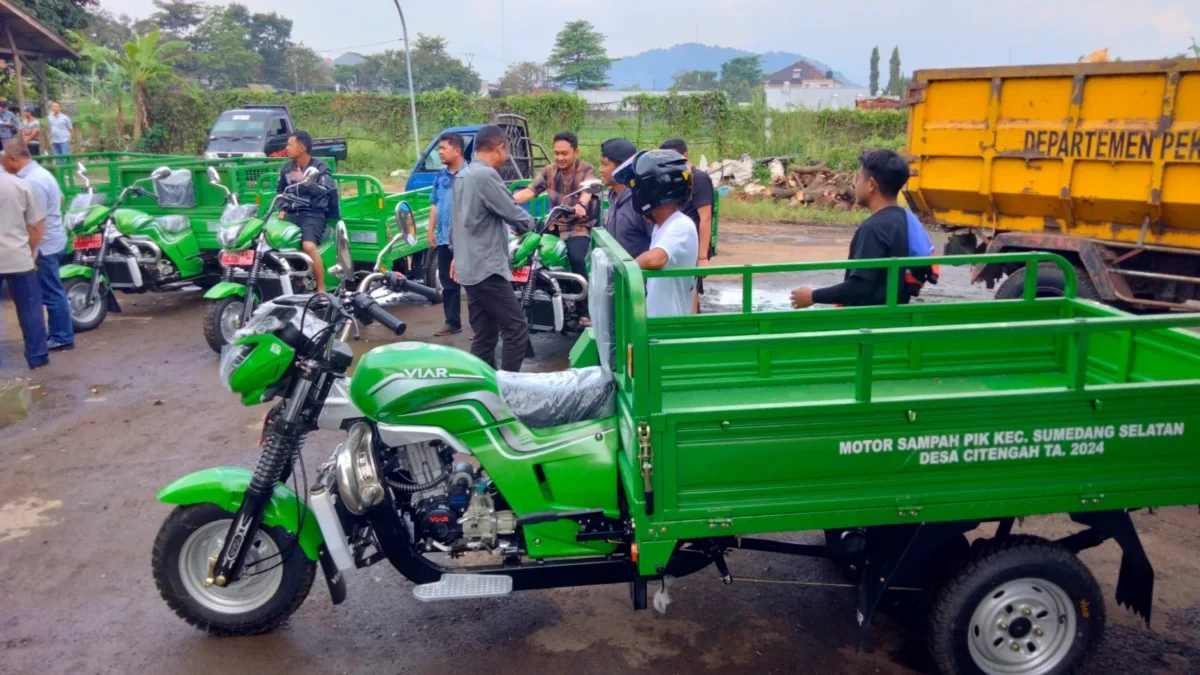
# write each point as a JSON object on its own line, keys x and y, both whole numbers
{"x": 372, "y": 44}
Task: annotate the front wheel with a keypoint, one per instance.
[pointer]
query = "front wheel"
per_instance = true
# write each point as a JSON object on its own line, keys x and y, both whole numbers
{"x": 1021, "y": 606}
{"x": 275, "y": 580}
{"x": 84, "y": 316}
{"x": 221, "y": 320}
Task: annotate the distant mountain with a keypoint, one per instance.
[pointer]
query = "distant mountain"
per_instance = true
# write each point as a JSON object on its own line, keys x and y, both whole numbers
{"x": 654, "y": 69}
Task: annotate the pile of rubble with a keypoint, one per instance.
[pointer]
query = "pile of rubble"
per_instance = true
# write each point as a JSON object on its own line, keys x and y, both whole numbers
{"x": 798, "y": 184}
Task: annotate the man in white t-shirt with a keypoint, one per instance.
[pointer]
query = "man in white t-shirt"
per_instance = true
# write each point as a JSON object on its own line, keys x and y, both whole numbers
{"x": 660, "y": 181}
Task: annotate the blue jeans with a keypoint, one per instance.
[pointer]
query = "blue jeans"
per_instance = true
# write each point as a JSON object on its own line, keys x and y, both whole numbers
{"x": 58, "y": 311}
{"x": 26, "y": 293}
{"x": 61, "y": 149}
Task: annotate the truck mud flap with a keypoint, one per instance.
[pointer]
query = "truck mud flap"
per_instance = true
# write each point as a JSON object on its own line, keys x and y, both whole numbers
{"x": 1135, "y": 581}
{"x": 890, "y": 549}
{"x": 113, "y": 305}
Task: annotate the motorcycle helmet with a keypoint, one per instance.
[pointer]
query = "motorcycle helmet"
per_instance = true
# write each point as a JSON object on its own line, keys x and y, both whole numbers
{"x": 655, "y": 177}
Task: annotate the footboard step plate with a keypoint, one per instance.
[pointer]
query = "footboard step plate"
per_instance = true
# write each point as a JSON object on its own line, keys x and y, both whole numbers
{"x": 465, "y": 586}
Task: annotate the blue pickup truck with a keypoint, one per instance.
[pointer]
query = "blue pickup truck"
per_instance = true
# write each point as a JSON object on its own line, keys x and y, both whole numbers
{"x": 526, "y": 157}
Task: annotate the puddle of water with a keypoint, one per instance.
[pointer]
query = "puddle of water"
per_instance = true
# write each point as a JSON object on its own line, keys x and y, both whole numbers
{"x": 16, "y": 397}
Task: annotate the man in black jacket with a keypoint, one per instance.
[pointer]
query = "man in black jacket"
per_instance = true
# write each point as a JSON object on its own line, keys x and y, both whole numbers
{"x": 882, "y": 235}
{"x": 322, "y": 196}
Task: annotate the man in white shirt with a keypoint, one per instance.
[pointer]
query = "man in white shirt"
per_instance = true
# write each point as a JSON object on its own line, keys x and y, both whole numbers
{"x": 660, "y": 181}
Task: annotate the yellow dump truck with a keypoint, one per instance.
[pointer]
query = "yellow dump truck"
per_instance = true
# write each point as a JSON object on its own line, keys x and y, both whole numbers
{"x": 1097, "y": 161}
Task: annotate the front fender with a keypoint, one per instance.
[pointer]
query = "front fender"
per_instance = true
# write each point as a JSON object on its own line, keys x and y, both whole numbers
{"x": 72, "y": 271}
{"x": 225, "y": 487}
{"x": 225, "y": 289}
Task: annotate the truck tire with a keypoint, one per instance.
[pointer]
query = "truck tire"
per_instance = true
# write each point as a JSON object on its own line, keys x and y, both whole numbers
{"x": 432, "y": 277}
{"x": 1020, "y": 606}
{"x": 1051, "y": 284}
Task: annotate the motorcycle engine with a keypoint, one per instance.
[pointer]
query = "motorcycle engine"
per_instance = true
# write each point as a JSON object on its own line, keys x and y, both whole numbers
{"x": 451, "y": 506}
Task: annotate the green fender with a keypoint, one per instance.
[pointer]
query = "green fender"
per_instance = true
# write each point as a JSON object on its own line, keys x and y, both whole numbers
{"x": 72, "y": 271}
{"x": 225, "y": 486}
{"x": 224, "y": 290}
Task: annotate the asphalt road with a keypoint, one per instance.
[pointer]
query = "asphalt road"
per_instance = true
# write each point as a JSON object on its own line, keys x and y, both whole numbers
{"x": 138, "y": 404}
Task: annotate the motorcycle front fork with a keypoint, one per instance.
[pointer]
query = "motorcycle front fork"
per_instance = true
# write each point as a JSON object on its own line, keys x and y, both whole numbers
{"x": 94, "y": 288}
{"x": 278, "y": 453}
{"x": 251, "y": 281}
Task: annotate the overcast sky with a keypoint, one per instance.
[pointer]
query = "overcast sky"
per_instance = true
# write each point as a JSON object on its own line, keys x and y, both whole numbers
{"x": 930, "y": 33}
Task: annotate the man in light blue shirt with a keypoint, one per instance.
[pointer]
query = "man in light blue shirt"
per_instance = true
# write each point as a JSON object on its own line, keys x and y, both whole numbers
{"x": 18, "y": 161}
{"x": 8, "y": 121}
{"x": 60, "y": 131}
{"x": 450, "y": 152}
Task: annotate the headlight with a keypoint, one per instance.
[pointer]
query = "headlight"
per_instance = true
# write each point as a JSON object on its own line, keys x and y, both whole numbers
{"x": 227, "y": 236}
{"x": 211, "y": 155}
{"x": 232, "y": 357}
{"x": 358, "y": 479}
{"x": 74, "y": 219}
{"x": 254, "y": 154}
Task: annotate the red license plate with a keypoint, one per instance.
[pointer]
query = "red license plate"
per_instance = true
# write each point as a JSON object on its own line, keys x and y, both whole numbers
{"x": 89, "y": 241}
{"x": 236, "y": 258}
{"x": 521, "y": 274}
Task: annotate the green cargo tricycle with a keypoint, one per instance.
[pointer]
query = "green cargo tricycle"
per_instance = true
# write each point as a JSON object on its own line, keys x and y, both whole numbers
{"x": 676, "y": 441}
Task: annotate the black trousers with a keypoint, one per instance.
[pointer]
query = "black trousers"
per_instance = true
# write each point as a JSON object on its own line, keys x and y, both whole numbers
{"x": 495, "y": 311}
{"x": 577, "y": 253}
{"x": 451, "y": 291}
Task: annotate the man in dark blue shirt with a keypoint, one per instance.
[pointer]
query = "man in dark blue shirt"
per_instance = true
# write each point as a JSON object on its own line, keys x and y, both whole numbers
{"x": 630, "y": 230}
{"x": 450, "y": 152}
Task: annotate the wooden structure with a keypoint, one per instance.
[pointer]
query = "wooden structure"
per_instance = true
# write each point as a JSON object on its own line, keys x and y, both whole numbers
{"x": 28, "y": 42}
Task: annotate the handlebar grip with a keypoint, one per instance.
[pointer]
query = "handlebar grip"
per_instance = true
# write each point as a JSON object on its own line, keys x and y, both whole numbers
{"x": 399, "y": 283}
{"x": 365, "y": 304}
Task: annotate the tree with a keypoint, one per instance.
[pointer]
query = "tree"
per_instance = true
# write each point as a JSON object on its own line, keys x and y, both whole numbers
{"x": 108, "y": 31}
{"x": 175, "y": 19}
{"x": 270, "y": 38}
{"x": 894, "y": 86}
{"x": 1195, "y": 49}
{"x": 578, "y": 58}
{"x": 741, "y": 77}
{"x": 875, "y": 70}
{"x": 347, "y": 77}
{"x": 146, "y": 61}
{"x": 523, "y": 78}
{"x": 384, "y": 70}
{"x": 434, "y": 69}
{"x": 223, "y": 56}
{"x": 309, "y": 71}
{"x": 61, "y": 16}
{"x": 695, "y": 80}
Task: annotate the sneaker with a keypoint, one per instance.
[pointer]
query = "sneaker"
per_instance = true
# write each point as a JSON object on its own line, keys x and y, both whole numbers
{"x": 59, "y": 346}
{"x": 447, "y": 330}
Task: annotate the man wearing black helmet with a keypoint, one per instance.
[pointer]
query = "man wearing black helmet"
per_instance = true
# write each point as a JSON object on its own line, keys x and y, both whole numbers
{"x": 660, "y": 181}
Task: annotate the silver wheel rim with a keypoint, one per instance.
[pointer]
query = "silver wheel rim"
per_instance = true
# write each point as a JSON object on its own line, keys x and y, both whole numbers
{"x": 77, "y": 299}
{"x": 1022, "y": 627}
{"x": 261, "y": 576}
{"x": 230, "y": 320}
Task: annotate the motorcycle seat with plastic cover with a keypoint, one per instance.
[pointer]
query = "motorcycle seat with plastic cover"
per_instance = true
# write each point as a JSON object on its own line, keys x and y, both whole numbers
{"x": 174, "y": 224}
{"x": 542, "y": 400}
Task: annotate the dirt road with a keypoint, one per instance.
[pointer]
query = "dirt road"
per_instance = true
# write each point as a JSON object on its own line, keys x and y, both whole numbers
{"x": 138, "y": 404}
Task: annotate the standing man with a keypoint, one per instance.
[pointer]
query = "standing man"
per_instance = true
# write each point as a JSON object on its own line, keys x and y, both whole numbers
{"x": 557, "y": 181}
{"x": 450, "y": 152}
{"x": 481, "y": 206}
{"x": 884, "y": 234}
{"x": 20, "y": 233}
{"x": 625, "y": 225}
{"x": 8, "y": 121}
{"x": 661, "y": 181}
{"x": 699, "y": 207}
{"x": 60, "y": 131}
{"x": 311, "y": 218}
{"x": 31, "y": 131}
{"x": 19, "y": 162}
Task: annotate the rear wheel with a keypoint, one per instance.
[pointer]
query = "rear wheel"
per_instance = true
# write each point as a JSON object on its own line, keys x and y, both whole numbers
{"x": 1021, "y": 606}
{"x": 84, "y": 316}
{"x": 274, "y": 583}
{"x": 1050, "y": 284}
{"x": 221, "y": 320}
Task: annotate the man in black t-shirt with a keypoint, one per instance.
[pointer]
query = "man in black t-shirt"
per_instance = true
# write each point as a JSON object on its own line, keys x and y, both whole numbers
{"x": 882, "y": 235}
{"x": 700, "y": 209}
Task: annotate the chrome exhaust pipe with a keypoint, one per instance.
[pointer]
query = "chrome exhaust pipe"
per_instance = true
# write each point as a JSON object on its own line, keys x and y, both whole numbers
{"x": 136, "y": 246}
{"x": 572, "y": 278}
{"x": 300, "y": 256}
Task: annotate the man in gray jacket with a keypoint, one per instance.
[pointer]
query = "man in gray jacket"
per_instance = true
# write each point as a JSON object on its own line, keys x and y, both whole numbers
{"x": 481, "y": 207}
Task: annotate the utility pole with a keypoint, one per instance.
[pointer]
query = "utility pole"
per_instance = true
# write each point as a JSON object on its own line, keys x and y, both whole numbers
{"x": 412, "y": 94}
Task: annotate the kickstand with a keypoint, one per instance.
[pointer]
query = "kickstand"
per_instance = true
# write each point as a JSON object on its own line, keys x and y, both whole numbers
{"x": 717, "y": 554}
{"x": 357, "y": 335}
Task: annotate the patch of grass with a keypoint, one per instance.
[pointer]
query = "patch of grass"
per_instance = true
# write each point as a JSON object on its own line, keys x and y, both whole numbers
{"x": 771, "y": 211}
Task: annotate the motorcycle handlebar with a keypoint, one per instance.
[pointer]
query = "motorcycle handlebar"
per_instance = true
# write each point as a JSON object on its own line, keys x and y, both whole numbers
{"x": 398, "y": 282}
{"x": 366, "y": 305}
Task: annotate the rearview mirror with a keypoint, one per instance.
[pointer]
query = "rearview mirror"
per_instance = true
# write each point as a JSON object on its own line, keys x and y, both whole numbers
{"x": 213, "y": 176}
{"x": 81, "y": 171}
{"x": 345, "y": 263}
{"x": 161, "y": 172}
{"x": 407, "y": 234}
{"x": 591, "y": 186}
{"x": 310, "y": 176}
